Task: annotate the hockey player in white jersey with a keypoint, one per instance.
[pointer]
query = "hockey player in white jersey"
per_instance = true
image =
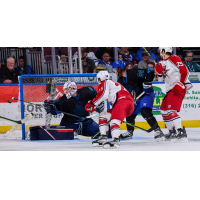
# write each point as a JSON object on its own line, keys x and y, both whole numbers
{"x": 175, "y": 74}
{"x": 122, "y": 106}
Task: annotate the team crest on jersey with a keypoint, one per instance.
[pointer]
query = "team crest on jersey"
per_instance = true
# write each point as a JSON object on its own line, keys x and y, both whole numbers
{"x": 140, "y": 73}
{"x": 169, "y": 106}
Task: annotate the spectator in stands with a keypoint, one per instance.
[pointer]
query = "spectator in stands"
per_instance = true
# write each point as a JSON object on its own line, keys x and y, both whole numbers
{"x": 23, "y": 69}
{"x": 191, "y": 65}
{"x": 120, "y": 57}
{"x": 91, "y": 68}
{"x": 122, "y": 72}
{"x": 9, "y": 74}
{"x": 63, "y": 60}
{"x": 99, "y": 68}
{"x": 145, "y": 59}
{"x": 102, "y": 50}
{"x": 151, "y": 65}
{"x": 180, "y": 53}
{"x": 90, "y": 55}
{"x": 139, "y": 56}
{"x": 106, "y": 63}
{"x": 128, "y": 56}
{"x": 85, "y": 67}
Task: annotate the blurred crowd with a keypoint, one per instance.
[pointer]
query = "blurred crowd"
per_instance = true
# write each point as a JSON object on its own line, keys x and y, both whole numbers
{"x": 95, "y": 59}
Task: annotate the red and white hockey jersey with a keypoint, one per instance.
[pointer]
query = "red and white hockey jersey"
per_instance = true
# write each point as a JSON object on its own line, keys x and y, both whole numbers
{"x": 175, "y": 71}
{"x": 111, "y": 91}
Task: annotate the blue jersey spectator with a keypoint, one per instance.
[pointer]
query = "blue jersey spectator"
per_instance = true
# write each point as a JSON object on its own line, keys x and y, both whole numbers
{"x": 23, "y": 70}
{"x": 139, "y": 55}
{"x": 128, "y": 56}
{"x": 106, "y": 63}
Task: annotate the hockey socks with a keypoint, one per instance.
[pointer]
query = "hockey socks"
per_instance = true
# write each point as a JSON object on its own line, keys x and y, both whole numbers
{"x": 171, "y": 118}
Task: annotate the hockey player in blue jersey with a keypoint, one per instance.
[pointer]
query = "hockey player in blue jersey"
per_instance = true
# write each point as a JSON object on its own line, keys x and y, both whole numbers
{"x": 140, "y": 82}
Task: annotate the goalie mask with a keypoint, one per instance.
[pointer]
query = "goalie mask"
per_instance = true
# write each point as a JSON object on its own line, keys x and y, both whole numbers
{"x": 69, "y": 89}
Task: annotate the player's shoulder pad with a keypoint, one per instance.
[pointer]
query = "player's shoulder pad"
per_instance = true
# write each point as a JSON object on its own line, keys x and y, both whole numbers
{"x": 175, "y": 59}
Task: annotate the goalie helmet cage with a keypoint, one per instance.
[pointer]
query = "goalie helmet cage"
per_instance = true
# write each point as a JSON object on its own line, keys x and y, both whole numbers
{"x": 36, "y": 88}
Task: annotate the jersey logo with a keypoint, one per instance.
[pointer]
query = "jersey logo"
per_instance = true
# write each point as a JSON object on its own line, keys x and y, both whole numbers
{"x": 180, "y": 64}
{"x": 140, "y": 73}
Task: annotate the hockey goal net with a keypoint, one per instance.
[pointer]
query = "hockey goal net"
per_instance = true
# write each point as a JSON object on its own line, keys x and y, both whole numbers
{"x": 34, "y": 90}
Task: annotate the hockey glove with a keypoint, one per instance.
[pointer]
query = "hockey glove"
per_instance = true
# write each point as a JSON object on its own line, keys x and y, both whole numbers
{"x": 50, "y": 107}
{"x": 159, "y": 69}
{"x": 100, "y": 107}
{"x": 147, "y": 87}
{"x": 178, "y": 88}
{"x": 90, "y": 107}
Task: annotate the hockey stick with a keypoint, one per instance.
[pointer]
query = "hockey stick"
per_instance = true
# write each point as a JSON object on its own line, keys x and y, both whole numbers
{"x": 140, "y": 95}
{"x": 146, "y": 130}
{"x": 153, "y": 60}
{"x": 90, "y": 116}
{"x": 28, "y": 117}
{"x": 149, "y": 55}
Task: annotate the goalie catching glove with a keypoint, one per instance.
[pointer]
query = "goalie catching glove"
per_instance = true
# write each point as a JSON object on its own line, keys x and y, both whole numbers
{"x": 50, "y": 107}
{"x": 179, "y": 87}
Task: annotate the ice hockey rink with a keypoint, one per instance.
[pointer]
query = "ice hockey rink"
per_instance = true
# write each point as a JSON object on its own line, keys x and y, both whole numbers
{"x": 141, "y": 141}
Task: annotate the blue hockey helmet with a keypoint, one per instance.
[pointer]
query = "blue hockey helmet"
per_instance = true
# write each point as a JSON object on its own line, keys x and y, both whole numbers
{"x": 119, "y": 63}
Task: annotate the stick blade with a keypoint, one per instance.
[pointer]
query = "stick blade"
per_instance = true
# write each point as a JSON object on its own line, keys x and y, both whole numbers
{"x": 81, "y": 137}
{"x": 28, "y": 117}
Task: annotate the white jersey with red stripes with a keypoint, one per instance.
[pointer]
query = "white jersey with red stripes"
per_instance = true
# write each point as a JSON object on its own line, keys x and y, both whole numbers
{"x": 111, "y": 91}
{"x": 175, "y": 71}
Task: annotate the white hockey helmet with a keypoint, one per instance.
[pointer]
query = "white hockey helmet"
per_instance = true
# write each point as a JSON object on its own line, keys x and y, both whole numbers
{"x": 167, "y": 49}
{"x": 102, "y": 75}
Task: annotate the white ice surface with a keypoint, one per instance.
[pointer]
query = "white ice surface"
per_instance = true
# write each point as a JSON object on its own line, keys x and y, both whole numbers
{"x": 141, "y": 141}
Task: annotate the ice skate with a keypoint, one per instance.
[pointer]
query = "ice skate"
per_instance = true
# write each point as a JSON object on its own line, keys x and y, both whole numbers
{"x": 171, "y": 134}
{"x": 181, "y": 136}
{"x": 159, "y": 136}
{"x": 112, "y": 144}
{"x": 99, "y": 143}
{"x": 126, "y": 135}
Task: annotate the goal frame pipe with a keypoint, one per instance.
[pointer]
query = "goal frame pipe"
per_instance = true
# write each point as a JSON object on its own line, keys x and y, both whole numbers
{"x": 39, "y": 76}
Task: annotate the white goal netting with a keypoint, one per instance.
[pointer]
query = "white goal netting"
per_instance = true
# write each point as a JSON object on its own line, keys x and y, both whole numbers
{"x": 34, "y": 90}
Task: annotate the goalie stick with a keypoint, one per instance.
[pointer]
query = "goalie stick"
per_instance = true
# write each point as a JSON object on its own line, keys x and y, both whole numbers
{"x": 90, "y": 116}
{"x": 28, "y": 117}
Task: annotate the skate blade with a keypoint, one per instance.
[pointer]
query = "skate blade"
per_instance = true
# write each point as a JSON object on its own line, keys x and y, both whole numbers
{"x": 160, "y": 139}
{"x": 107, "y": 146}
{"x": 128, "y": 138}
{"x": 97, "y": 145}
{"x": 182, "y": 140}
